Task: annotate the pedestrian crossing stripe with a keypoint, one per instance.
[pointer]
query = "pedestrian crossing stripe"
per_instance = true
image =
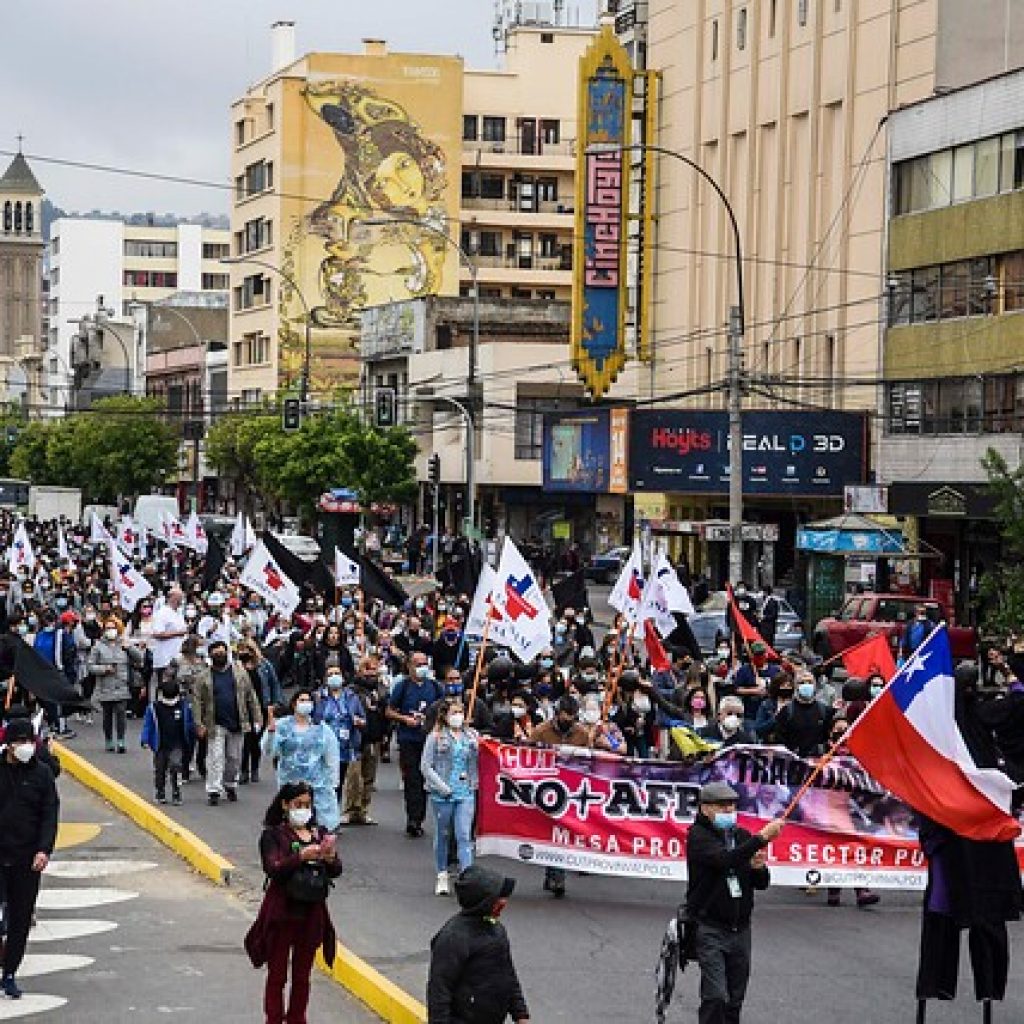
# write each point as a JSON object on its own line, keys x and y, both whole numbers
{"x": 57, "y": 930}
{"x": 75, "y": 833}
{"x": 29, "y": 1004}
{"x": 77, "y": 869}
{"x": 35, "y": 965}
{"x": 81, "y": 899}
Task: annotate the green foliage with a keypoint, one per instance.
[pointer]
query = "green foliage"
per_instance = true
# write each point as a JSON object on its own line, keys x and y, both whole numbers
{"x": 381, "y": 464}
{"x": 232, "y": 441}
{"x": 1002, "y": 587}
{"x": 121, "y": 446}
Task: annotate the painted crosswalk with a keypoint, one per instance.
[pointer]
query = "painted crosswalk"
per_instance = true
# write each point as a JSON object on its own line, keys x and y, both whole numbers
{"x": 55, "y": 936}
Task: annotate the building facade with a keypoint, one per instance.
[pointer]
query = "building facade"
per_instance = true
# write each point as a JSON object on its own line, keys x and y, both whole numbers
{"x": 113, "y": 265}
{"x": 953, "y": 339}
{"x": 351, "y": 170}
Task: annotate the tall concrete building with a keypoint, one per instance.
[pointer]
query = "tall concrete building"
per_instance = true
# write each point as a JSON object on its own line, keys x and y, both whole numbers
{"x": 21, "y": 276}
{"x": 115, "y": 265}
{"x": 351, "y": 169}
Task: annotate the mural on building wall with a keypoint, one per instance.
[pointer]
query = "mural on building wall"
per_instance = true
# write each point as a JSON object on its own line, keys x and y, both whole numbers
{"x": 378, "y": 237}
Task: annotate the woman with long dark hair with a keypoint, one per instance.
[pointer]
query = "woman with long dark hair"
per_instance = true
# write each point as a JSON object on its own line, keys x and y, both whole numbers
{"x": 299, "y": 858}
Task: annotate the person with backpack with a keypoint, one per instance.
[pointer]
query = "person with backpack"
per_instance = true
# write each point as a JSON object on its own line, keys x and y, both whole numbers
{"x": 410, "y": 698}
{"x": 300, "y": 860}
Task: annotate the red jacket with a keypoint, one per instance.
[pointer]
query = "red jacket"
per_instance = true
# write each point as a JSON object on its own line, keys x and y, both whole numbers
{"x": 280, "y": 860}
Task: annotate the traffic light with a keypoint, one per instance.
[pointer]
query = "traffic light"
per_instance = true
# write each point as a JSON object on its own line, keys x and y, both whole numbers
{"x": 434, "y": 469}
{"x": 384, "y": 410}
{"x": 292, "y": 414}
{"x": 12, "y": 435}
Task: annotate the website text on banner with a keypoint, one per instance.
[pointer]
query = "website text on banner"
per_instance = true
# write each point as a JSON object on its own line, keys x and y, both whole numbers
{"x": 587, "y": 811}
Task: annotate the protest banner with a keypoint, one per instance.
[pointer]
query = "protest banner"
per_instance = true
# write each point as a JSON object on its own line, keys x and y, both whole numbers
{"x": 588, "y": 811}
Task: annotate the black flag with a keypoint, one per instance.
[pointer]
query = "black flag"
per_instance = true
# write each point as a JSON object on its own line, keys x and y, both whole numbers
{"x": 44, "y": 681}
{"x": 376, "y": 583}
{"x": 214, "y": 563}
{"x": 571, "y": 592}
{"x": 313, "y": 574}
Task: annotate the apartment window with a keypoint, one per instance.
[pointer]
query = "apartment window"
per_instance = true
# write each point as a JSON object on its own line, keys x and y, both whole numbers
{"x": 494, "y": 129}
{"x": 550, "y": 132}
{"x": 216, "y": 250}
{"x": 258, "y": 177}
{"x": 547, "y": 37}
{"x": 741, "y": 29}
{"x": 547, "y": 190}
{"x": 215, "y": 282}
{"x": 255, "y": 349}
{"x": 269, "y": 117}
{"x": 963, "y": 288}
{"x": 490, "y": 243}
{"x": 521, "y": 293}
{"x": 253, "y": 291}
{"x": 470, "y": 186}
{"x": 801, "y": 12}
{"x": 986, "y": 167}
{"x": 470, "y": 127}
{"x": 54, "y": 277}
{"x": 487, "y": 292}
{"x": 492, "y": 186}
{"x": 240, "y": 131}
{"x": 236, "y": 353}
{"x": 150, "y": 279}
{"x": 8, "y": 216}
{"x": 955, "y": 283}
{"x": 545, "y": 294}
{"x": 257, "y": 234}
{"x": 147, "y": 249}
{"x": 175, "y": 399}
{"x": 714, "y": 39}
{"x": 549, "y": 248}
{"x": 529, "y": 423}
{"x": 251, "y": 396}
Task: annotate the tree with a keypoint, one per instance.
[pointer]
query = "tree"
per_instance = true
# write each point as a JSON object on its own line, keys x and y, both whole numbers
{"x": 380, "y": 464}
{"x": 1002, "y": 588}
{"x": 28, "y": 460}
{"x": 231, "y": 447}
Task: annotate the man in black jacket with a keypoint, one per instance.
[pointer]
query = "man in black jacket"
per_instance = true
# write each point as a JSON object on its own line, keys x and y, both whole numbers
{"x": 28, "y": 831}
{"x": 725, "y": 865}
{"x": 472, "y": 978}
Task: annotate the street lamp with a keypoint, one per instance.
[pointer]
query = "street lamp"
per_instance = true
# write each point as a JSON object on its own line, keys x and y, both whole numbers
{"x": 307, "y": 355}
{"x": 101, "y": 320}
{"x": 737, "y": 324}
{"x": 474, "y": 348}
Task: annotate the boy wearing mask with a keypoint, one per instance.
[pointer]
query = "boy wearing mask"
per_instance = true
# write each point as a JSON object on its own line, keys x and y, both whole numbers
{"x": 168, "y": 730}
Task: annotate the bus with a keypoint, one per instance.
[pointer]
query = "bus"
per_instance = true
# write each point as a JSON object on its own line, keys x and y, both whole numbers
{"x": 13, "y": 493}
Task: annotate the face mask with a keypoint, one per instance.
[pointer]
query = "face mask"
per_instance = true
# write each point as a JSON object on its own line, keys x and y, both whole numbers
{"x": 642, "y": 704}
{"x": 169, "y": 691}
{"x": 350, "y": 627}
{"x": 590, "y": 676}
{"x": 725, "y": 820}
{"x": 564, "y": 724}
{"x": 24, "y": 751}
{"x": 560, "y": 631}
{"x": 591, "y": 716}
{"x": 876, "y": 689}
{"x": 581, "y": 620}
{"x": 32, "y": 622}
{"x": 299, "y": 816}
{"x": 22, "y": 629}
{"x": 547, "y": 663}
{"x": 698, "y": 703}
{"x": 346, "y": 602}
{"x": 110, "y": 634}
{"x": 723, "y": 652}
{"x": 334, "y": 682}
{"x": 518, "y": 711}
{"x": 304, "y": 708}
{"x": 90, "y": 616}
{"x": 422, "y": 671}
{"x": 454, "y": 689}
{"x": 62, "y": 602}
{"x": 730, "y": 723}
{"x": 805, "y": 691}
{"x": 219, "y": 660}
{"x": 456, "y": 719}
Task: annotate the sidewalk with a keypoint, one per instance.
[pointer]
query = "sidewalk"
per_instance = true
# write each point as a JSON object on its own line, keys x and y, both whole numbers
{"x": 126, "y": 932}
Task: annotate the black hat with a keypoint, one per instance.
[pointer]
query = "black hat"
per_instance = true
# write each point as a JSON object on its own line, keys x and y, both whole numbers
{"x": 478, "y": 889}
{"x": 18, "y": 730}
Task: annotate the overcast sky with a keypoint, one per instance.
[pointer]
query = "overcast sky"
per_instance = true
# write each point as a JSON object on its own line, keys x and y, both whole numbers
{"x": 147, "y": 84}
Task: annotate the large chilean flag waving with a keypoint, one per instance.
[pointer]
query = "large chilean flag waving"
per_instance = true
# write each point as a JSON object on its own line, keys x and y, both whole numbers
{"x": 909, "y": 741}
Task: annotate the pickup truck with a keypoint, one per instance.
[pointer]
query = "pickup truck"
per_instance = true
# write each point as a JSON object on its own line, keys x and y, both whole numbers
{"x": 864, "y": 614}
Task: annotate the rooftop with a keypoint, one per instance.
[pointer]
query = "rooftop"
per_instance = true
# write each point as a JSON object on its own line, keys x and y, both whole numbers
{"x": 19, "y": 178}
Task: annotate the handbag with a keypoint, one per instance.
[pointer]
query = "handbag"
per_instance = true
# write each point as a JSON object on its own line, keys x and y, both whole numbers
{"x": 309, "y": 883}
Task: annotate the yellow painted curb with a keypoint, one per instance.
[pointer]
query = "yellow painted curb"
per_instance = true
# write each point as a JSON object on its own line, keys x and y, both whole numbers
{"x": 384, "y": 997}
{"x": 184, "y": 843}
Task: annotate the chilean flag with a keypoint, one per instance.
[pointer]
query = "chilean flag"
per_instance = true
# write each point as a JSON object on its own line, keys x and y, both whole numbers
{"x": 909, "y": 741}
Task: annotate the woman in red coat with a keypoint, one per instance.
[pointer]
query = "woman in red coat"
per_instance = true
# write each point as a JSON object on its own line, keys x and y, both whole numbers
{"x": 299, "y": 859}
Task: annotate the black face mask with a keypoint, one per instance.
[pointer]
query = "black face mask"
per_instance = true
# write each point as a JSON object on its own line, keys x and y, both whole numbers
{"x": 169, "y": 692}
{"x": 564, "y": 725}
{"x": 219, "y": 660}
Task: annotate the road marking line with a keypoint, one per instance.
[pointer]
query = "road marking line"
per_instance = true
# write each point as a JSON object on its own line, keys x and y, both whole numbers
{"x": 74, "y": 833}
{"x": 64, "y": 931}
{"x": 95, "y": 868}
{"x": 81, "y": 899}
{"x": 35, "y": 965}
{"x": 28, "y": 1004}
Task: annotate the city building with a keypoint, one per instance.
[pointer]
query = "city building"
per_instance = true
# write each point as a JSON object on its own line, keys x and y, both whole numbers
{"x": 783, "y": 103}
{"x": 98, "y": 264}
{"x": 952, "y": 343}
{"x": 359, "y": 177}
{"x": 21, "y": 277}
{"x": 184, "y": 338}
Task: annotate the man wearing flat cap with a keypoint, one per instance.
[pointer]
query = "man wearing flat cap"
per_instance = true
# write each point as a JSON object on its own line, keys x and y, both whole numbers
{"x": 725, "y": 864}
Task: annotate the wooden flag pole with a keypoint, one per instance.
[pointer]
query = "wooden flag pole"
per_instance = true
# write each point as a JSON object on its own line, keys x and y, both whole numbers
{"x": 809, "y": 781}
{"x": 361, "y": 627}
{"x": 479, "y": 667}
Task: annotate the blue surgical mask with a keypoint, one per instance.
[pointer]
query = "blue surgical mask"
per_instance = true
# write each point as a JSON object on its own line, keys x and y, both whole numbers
{"x": 346, "y": 602}
{"x": 725, "y": 820}
{"x": 805, "y": 691}
{"x": 423, "y": 672}
{"x": 454, "y": 689}
{"x": 876, "y": 689}
{"x": 546, "y": 662}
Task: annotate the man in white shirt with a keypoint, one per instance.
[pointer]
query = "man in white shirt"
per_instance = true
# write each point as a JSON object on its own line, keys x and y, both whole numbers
{"x": 169, "y": 630}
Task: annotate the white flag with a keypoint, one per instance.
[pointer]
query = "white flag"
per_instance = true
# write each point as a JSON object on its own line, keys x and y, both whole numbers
{"x": 628, "y": 591}
{"x": 62, "y": 546}
{"x": 130, "y": 538}
{"x": 196, "y": 535}
{"x": 525, "y": 625}
{"x": 243, "y": 536}
{"x": 267, "y": 578}
{"x": 346, "y": 572}
{"x": 663, "y": 595}
{"x": 482, "y": 607}
{"x": 130, "y": 584}
{"x": 21, "y": 555}
{"x": 97, "y": 531}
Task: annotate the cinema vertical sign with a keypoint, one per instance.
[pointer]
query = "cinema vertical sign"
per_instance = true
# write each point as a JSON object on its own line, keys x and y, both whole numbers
{"x": 599, "y": 296}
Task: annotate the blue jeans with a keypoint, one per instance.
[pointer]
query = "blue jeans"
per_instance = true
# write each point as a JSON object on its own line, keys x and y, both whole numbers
{"x": 457, "y": 813}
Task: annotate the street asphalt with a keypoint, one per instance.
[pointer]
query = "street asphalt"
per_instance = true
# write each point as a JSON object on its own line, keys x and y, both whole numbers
{"x": 588, "y": 958}
{"x": 127, "y": 933}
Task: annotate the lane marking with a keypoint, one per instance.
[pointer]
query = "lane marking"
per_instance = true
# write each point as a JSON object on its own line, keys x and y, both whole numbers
{"x": 81, "y": 899}
{"x": 96, "y": 868}
{"x": 28, "y": 1004}
{"x": 35, "y": 965}
{"x": 56, "y": 930}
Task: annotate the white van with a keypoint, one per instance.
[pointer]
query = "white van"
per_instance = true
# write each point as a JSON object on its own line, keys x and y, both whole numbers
{"x": 150, "y": 510}
{"x": 303, "y": 547}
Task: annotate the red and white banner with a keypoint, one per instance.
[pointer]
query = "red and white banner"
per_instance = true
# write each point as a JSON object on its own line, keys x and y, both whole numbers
{"x": 587, "y": 811}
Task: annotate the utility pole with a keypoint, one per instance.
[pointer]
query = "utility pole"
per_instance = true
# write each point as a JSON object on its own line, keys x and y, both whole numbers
{"x": 735, "y": 444}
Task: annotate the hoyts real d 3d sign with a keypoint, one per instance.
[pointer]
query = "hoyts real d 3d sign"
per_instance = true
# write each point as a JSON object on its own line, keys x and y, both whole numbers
{"x": 602, "y": 192}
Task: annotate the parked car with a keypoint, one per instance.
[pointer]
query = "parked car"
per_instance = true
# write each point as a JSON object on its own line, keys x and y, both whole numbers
{"x": 605, "y": 568}
{"x": 862, "y": 614}
{"x": 710, "y": 624}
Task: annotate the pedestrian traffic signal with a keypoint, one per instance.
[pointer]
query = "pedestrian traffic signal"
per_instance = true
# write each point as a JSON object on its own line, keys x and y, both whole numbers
{"x": 384, "y": 410}
{"x": 12, "y": 435}
{"x": 292, "y": 414}
{"x": 434, "y": 469}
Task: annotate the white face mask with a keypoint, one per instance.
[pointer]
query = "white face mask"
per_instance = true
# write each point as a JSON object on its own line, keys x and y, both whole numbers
{"x": 334, "y": 682}
{"x": 24, "y": 751}
{"x": 299, "y": 816}
{"x": 730, "y": 723}
{"x": 304, "y": 707}
{"x": 518, "y": 711}
{"x": 591, "y": 716}
{"x": 110, "y": 634}
{"x": 456, "y": 720}
{"x": 642, "y": 704}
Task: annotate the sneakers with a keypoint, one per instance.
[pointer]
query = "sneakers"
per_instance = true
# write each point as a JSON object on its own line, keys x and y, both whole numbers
{"x": 213, "y": 799}
{"x": 243, "y": 779}
{"x": 109, "y": 747}
{"x": 122, "y": 749}
{"x": 441, "y": 889}
{"x": 176, "y": 798}
{"x": 254, "y": 777}
{"x": 232, "y": 795}
{"x": 10, "y": 987}
{"x": 867, "y": 899}
{"x": 161, "y": 797}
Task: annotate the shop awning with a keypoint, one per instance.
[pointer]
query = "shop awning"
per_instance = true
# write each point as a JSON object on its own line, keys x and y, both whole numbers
{"x": 852, "y": 534}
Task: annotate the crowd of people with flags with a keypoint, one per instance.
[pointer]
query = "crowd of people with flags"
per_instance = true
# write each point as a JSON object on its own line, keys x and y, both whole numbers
{"x": 232, "y": 656}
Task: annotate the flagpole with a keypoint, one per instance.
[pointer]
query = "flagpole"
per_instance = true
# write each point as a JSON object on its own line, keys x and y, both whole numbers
{"x": 838, "y": 657}
{"x": 613, "y": 688}
{"x": 818, "y": 769}
{"x": 479, "y": 668}
{"x": 361, "y": 627}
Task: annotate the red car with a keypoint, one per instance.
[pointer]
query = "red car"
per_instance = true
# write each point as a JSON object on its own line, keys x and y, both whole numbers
{"x": 864, "y": 614}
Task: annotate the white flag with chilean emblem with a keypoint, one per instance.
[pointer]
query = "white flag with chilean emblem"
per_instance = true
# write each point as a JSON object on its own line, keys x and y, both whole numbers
{"x": 268, "y": 579}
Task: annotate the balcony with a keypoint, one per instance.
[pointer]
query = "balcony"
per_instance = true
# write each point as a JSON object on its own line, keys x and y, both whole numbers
{"x": 564, "y": 206}
{"x": 514, "y": 147}
{"x": 522, "y": 261}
